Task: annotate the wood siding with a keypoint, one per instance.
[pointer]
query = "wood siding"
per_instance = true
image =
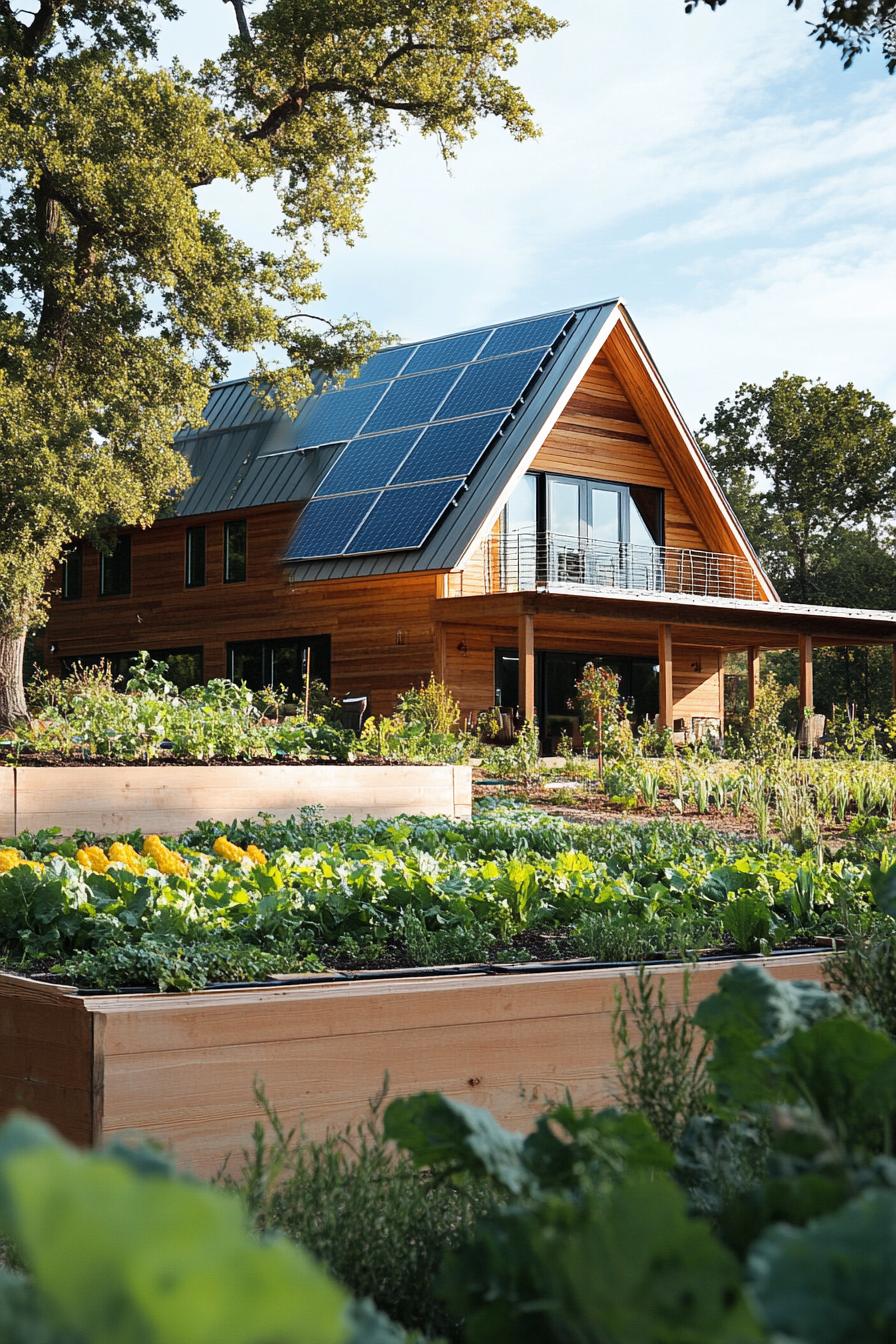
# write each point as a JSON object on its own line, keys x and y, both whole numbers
{"x": 380, "y": 628}
{"x": 599, "y": 435}
{"x": 383, "y": 637}
{"x": 47, "y": 1057}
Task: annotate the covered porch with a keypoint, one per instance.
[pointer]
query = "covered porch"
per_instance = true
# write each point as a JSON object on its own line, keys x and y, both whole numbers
{"x": 686, "y": 637}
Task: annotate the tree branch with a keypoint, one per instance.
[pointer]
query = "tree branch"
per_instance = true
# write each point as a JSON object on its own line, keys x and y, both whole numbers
{"x": 42, "y": 25}
{"x": 294, "y": 102}
{"x": 242, "y": 22}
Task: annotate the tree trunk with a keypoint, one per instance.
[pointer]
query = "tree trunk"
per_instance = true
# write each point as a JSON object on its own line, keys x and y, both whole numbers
{"x": 13, "y": 708}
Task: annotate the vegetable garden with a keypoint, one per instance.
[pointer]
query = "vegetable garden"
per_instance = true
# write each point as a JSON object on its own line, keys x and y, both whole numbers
{"x": 260, "y": 898}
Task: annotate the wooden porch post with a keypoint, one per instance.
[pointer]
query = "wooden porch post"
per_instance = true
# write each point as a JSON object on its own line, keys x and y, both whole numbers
{"x": 439, "y": 651}
{"x": 665, "y": 661}
{"x": 893, "y": 680}
{"x": 806, "y": 688}
{"x": 526, "y": 643}
{"x": 752, "y": 676}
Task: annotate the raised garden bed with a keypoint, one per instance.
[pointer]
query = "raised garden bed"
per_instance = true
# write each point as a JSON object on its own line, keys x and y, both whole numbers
{"x": 182, "y": 1067}
{"x": 112, "y": 799}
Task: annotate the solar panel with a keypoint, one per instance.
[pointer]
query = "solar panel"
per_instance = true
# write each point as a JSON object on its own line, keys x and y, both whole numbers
{"x": 335, "y": 415}
{"x": 326, "y": 524}
{"x": 368, "y": 463}
{"x": 543, "y": 331}
{"x": 402, "y": 519}
{"x": 411, "y": 401}
{"x": 450, "y": 350}
{"x": 496, "y": 383}
{"x": 450, "y": 449}
{"x": 385, "y": 364}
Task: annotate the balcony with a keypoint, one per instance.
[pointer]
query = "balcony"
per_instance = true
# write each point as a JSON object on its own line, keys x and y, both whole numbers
{"x": 550, "y": 562}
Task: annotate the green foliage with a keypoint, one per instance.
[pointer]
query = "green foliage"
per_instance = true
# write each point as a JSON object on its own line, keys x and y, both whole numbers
{"x": 87, "y": 715}
{"x": 380, "y": 1226}
{"x": 123, "y": 293}
{"x": 830, "y": 1282}
{"x": 660, "y": 1056}
{"x": 116, "y": 1253}
{"x": 423, "y": 728}
{"x": 432, "y": 705}
{"x": 605, "y": 726}
{"x": 752, "y": 1012}
{"x": 519, "y": 760}
{"x": 779, "y": 1221}
{"x": 807, "y": 467}
{"x": 864, "y": 974}
{"x": 417, "y": 891}
{"x": 593, "y": 1241}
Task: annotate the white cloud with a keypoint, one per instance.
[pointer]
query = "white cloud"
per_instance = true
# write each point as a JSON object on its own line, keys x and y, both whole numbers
{"x": 719, "y": 171}
{"x": 824, "y": 312}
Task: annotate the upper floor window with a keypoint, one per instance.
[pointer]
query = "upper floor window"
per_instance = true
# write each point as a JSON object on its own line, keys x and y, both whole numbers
{"x": 194, "y": 557}
{"x": 574, "y": 529}
{"x": 72, "y": 573}
{"x": 235, "y": 551}
{"x": 115, "y": 570}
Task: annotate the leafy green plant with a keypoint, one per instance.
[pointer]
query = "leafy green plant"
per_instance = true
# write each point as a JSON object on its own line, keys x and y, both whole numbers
{"x": 118, "y": 1249}
{"x": 660, "y": 1056}
{"x": 606, "y": 729}
{"x": 380, "y": 1226}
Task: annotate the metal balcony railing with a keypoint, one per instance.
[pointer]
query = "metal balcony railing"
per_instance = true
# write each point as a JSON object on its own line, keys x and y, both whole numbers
{"x": 529, "y": 561}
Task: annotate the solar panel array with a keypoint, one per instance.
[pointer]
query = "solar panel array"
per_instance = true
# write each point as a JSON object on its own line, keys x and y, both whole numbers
{"x": 415, "y": 422}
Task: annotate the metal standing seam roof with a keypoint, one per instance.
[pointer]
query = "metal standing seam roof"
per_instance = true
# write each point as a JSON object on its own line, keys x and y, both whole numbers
{"x": 245, "y": 456}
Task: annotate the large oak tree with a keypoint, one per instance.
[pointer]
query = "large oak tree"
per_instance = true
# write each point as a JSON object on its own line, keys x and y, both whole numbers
{"x": 121, "y": 294}
{"x": 803, "y": 464}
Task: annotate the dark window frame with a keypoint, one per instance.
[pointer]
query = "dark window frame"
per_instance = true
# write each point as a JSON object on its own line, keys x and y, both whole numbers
{"x": 122, "y": 547}
{"x": 320, "y": 644}
{"x": 631, "y": 493}
{"x": 73, "y": 564}
{"x": 191, "y": 535}
{"x": 228, "y": 526}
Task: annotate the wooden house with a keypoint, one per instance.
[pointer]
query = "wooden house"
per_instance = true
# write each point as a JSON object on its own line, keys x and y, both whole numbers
{"x": 495, "y": 507}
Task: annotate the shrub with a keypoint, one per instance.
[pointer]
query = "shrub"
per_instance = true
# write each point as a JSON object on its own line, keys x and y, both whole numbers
{"x": 605, "y": 725}
{"x": 379, "y": 1225}
{"x": 660, "y": 1056}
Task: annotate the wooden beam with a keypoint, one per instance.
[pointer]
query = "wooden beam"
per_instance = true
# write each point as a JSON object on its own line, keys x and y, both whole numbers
{"x": 665, "y": 660}
{"x": 806, "y": 688}
{"x": 753, "y": 654}
{"x": 893, "y": 678}
{"x": 440, "y": 662}
{"x": 526, "y": 646}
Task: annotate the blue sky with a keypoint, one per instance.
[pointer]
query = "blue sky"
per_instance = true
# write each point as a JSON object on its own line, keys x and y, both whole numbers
{"x": 720, "y": 172}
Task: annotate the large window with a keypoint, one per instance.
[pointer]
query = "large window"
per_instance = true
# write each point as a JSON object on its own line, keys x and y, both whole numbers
{"x": 572, "y": 529}
{"x": 194, "y": 557}
{"x": 519, "y": 543}
{"x": 72, "y": 573}
{"x": 115, "y": 570}
{"x": 280, "y": 662}
{"x": 235, "y": 551}
{"x": 184, "y": 665}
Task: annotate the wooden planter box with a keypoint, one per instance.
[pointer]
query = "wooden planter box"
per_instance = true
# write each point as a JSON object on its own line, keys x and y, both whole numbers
{"x": 169, "y": 798}
{"x": 181, "y": 1067}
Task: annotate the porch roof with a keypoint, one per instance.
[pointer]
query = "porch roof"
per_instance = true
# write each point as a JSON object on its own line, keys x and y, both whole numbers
{"x": 718, "y": 622}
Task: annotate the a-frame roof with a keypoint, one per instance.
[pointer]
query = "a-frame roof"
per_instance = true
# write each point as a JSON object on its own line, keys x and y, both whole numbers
{"x": 247, "y": 455}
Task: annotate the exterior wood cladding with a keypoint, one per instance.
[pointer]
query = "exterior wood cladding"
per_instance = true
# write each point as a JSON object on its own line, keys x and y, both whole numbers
{"x": 383, "y": 635}
{"x": 599, "y": 435}
{"x": 380, "y": 629}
